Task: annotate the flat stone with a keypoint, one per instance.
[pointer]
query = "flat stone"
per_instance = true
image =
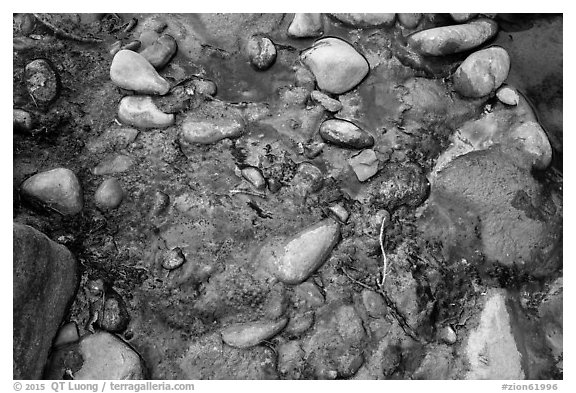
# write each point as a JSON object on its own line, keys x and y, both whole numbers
{"x": 246, "y": 335}
{"x": 364, "y": 164}
{"x": 336, "y": 65}
{"x": 295, "y": 259}
{"x": 109, "y": 194}
{"x": 482, "y": 72}
{"x": 366, "y": 20}
{"x": 116, "y": 164}
{"x": 161, "y": 51}
{"x": 207, "y": 132}
{"x": 131, "y": 71}
{"x": 57, "y": 189}
{"x": 45, "y": 277}
{"x": 112, "y": 138}
{"x": 345, "y": 134}
{"x": 329, "y": 103}
{"x": 306, "y": 26}
{"x": 409, "y": 21}
{"x": 141, "y": 112}
{"x": 447, "y": 40}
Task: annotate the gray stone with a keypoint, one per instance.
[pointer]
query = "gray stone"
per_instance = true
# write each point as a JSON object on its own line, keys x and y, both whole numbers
{"x": 310, "y": 294}
{"x": 57, "y": 189}
{"x": 115, "y": 164}
{"x": 366, "y": 20}
{"x": 306, "y": 26}
{"x": 207, "y": 132}
{"x": 261, "y": 52}
{"x": 22, "y": 120}
{"x": 111, "y": 139}
{"x": 246, "y": 335}
{"x": 364, "y": 164}
{"x": 109, "y": 194}
{"x": 461, "y": 18}
{"x": 482, "y": 72}
{"x": 300, "y": 323}
{"x": 508, "y": 95}
{"x": 254, "y": 177}
{"x": 67, "y": 334}
{"x": 160, "y": 52}
{"x": 533, "y": 141}
{"x": 45, "y": 278}
{"x": 173, "y": 259}
{"x": 42, "y": 81}
{"x": 329, "y": 103}
{"x": 290, "y": 359}
{"x": 409, "y": 21}
{"x": 131, "y": 71}
{"x": 141, "y": 112}
{"x": 345, "y": 134}
{"x": 373, "y": 303}
{"x": 205, "y": 87}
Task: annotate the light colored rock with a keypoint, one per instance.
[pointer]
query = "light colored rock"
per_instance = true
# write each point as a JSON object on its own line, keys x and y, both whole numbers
{"x": 345, "y": 134}
{"x": 254, "y": 176}
{"x": 22, "y": 120}
{"x": 131, "y": 71}
{"x": 306, "y": 26}
{"x": 461, "y": 18}
{"x": 109, "y": 194}
{"x": 482, "y": 72}
{"x": 336, "y": 65}
{"x": 67, "y": 334}
{"x": 57, "y": 189}
{"x": 261, "y": 52}
{"x": 173, "y": 259}
{"x": 364, "y": 164}
{"x": 204, "y": 86}
{"x": 409, "y": 20}
{"x": 106, "y": 357}
{"x": 366, "y": 20}
{"x": 116, "y": 164}
{"x": 246, "y": 335}
{"x": 329, "y": 103}
{"x": 532, "y": 139}
{"x": 160, "y": 52}
{"x": 295, "y": 259}
{"x": 141, "y": 112}
{"x": 448, "y": 335}
{"x": 340, "y": 212}
{"x": 447, "y": 40}
{"x": 507, "y": 95}
{"x": 206, "y": 132}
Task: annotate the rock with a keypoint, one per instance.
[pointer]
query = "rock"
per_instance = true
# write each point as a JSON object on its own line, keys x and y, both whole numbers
{"x": 329, "y": 103}
{"x": 109, "y": 194}
{"x": 310, "y": 294}
{"x": 437, "y": 364}
{"x": 551, "y": 315}
{"x": 290, "y": 359}
{"x": 482, "y": 72}
{"x": 98, "y": 356}
{"x": 42, "y": 81}
{"x": 366, "y": 20}
{"x": 22, "y": 120}
{"x": 345, "y": 134}
{"x": 373, "y": 303}
{"x": 57, "y": 189}
{"x": 533, "y": 141}
{"x": 160, "y": 203}
{"x": 308, "y": 179}
{"x": 401, "y": 184}
{"x": 141, "y": 112}
{"x": 254, "y": 177}
{"x": 295, "y": 259}
{"x": 461, "y": 18}
{"x": 340, "y": 212}
{"x": 336, "y": 65}
{"x": 294, "y": 96}
{"x": 161, "y": 51}
{"x": 67, "y": 334}
{"x": 116, "y": 164}
{"x": 448, "y": 335}
{"x": 114, "y": 316}
{"x": 45, "y": 278}
{"x": 173, "y": 259}
{"x": 246, "y": 335}
{"x": 148, "y": 37}
{"x": 305, "y": 78}
{"x": 207, "y": 132}
{"x": 111, "y": 139}
{"x": 508, "y": 96}
{"x": 364, "y": 164}
{"x": 306, "y": 26}
{"x": 261, "y": 52}
{"x": 300, "y": 323}
{"x": 179, "y": 100}
{"x": 447, "y": 40}
{"x": 275, "y": 305}
{"x": 409, "y": 21}
{"x": 131, "y": 71}
{"x": 205, "y": 87}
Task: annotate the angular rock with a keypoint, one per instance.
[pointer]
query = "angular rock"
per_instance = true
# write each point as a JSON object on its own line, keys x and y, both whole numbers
{"x": 131, "y": 71}
{"x": 109, "y": 194}
{"x": 336, "y": 65}
{"x": 42, "y": 81}
{"x": 116, "y": 164}
{"x": 532, "y": 140}
{"x": 447, "y": 40}
{"x": 329, "y": 103}
{"x": 58, "y": 189}
{"x": 306, "y": 26}
{"x": 401, "y": 184}
{"x": 308, "y": 179}
{"x": 160, "y": 52}
{"x": 207, "y": 132}
{"x": 409, "y": 20}
{"x": 366, "y": 20}
{"x": 345, "y": 134}
{"x": 141, "y": 112}
{"x": 246, "y": 335}
{"x": 461, "y": 18}
{"x": 305, "y": 78}
{"x": 482, "y": 72}
{"x": 508, "y": 96}
{"x": 364, "y": 164}
{"x": 173, "y": 259}
{"x": 45, "y": 278}
{"x": 295, "y": 259}
{"x": 261, "y": 52}
{"x": 300, "y": 323}
{"x": 22, "y": 120}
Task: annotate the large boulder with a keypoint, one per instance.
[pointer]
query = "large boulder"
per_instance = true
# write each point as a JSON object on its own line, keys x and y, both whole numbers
{"x": 45, "y": 278}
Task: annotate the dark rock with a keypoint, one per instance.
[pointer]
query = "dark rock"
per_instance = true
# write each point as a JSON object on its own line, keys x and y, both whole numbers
{"x": 374, "y": 304}
{"x": 45, "y": 278}
{"x": 308, "y": 179}
{"x": 401, "y": 184}
{"x": 67, "y": 334}
{"x": 261, "y": 52}
{"x": 22, "y": 120}
{"x": 345, "y": 134}
{"x": 113, "y": 316}
{"x": 160, "y": 203}
{"x": 290, "y": 360}
{"x": 42, "y": 81}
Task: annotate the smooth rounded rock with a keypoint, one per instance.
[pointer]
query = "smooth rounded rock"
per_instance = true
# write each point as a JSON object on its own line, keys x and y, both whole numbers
{"x": 206, "y": 132}
{"x": 141, "y": 112}
{"x": 109, "y": 194}
{"x": 345, "y": 134}
{"x": 532, "y": 139}
{"x": 482, "y": 72}
{"x": 246, "y": 335}
{"x": 329, "y": 103}
{"x": 42, "y": 81}
{"x": 306, "y": 26}
{"x": 461, "y": 18}
{"x": 366, "y": 20}
{"x": 116, "y": 164}
{"x": 409, "y": 20}
{"x": 131, "y": 71}
{"x": 205, "y": 87}
{"x": 295, "y": 259}
{"x": 448, "y": 335}
{"x": 160, "y": 52}
{"x": 447, "y": 40}
{"x": 507, "y": 95}
{"x": 58, "y": 189}
{"x": 254, "y": 176}
{"x": 261, "y": 52}
{"x": 336, "y": 65}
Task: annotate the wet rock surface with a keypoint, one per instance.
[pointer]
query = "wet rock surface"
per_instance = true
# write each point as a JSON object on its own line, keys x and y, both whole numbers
{"x": 384, "y": 253}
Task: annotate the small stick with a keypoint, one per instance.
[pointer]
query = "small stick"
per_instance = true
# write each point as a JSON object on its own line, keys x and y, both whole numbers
{"x": 384, "y": 258}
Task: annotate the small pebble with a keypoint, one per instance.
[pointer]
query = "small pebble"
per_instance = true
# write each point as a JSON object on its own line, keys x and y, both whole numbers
{"x": 115, "y": 317}
{"x": 67, "y": 334}
{"x": 329, "y": 103}
{"x": 448, "y": 335}
{"x": 109, "y": 194}
{"x": 308, "y": 179}
{"x": 508, "y": 96}
{"x": 310, "y": 294}
{"x": 246, "y": 335}
{"x": 205, "y": 87}
{"x": 345, "y": 134}
{"x": 461, "y": 18}
{"x": 116, "y": 164}
{"x": 261, "y": 52}
{"x": 364, "y": 164}
{"x": 42, "y": 81}
{"x": 373, "y": 303}
{"x": 141, "y": 112}
{"x": 160, "y": 203}
{"x": 340, "y": 212}
{"x": 254, "y": 176}
{"x": 22, "y": 120}
{"x": 161, "y": 51}
{"x": 173, "y": 259}
{"x": 409, "y": 21}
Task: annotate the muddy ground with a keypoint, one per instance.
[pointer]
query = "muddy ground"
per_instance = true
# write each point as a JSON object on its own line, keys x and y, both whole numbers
{"x": 439, "y": 273}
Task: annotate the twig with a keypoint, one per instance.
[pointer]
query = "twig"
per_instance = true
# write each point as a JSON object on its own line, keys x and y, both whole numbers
{"x": 248, "y": 192}
{"x": 384, "y": 258}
